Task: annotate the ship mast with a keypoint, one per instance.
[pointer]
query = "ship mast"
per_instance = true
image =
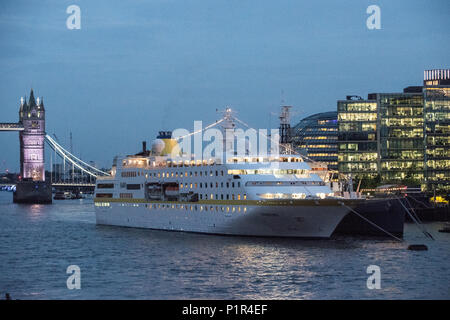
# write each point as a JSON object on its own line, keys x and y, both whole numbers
{"x": 228, "y": 125}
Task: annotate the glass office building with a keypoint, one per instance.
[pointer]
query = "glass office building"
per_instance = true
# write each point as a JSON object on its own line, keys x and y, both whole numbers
{"x": 437, "y": 129}
{"x": 399, "y": 137}
{"x": 401, "y": 143}
{"x": 382, "y": 136}
{"x": 357, "y": 142}
{"x": 316, "y": 137}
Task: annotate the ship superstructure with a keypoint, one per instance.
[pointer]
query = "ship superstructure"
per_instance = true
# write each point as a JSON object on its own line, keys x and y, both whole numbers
{"x": 276, "y": 195}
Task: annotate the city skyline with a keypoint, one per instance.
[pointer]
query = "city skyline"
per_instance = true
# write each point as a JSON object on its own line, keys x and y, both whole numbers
{"x": 131, "y": 68}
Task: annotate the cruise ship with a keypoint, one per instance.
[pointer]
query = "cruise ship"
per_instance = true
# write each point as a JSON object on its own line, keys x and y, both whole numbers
{"x": 272, "y": 196}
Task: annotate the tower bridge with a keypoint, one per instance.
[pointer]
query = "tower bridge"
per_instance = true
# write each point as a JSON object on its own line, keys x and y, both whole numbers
{"x": 33, "y": 188}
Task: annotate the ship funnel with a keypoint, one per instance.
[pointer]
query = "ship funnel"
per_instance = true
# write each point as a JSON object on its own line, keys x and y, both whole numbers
{"x": 165, "y": 145}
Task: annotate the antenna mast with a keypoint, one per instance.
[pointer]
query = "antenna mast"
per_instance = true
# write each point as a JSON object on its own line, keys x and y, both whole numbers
{"x": 285, "y": 130}
{"x": 228, "y": 125}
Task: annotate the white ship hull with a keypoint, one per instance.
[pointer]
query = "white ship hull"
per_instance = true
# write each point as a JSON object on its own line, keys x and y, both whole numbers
{"x": 312, "y": 220}
{"x": 272, "y": 196}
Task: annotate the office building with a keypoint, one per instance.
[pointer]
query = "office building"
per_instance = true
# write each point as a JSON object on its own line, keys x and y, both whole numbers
{"x": 399, "y": 137}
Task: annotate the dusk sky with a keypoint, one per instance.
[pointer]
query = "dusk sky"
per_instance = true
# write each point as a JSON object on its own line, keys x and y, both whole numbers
{"x": 136, "y": 67}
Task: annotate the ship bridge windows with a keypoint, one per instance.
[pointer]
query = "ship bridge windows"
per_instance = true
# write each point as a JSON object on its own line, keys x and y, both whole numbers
{"x": 126, "y": 195}
{"x": 135, "y": 162}
{"x": 102, "y": 204}
{"x": 300, "y": 173}
{"x": 129, "y": 174}
{"x": 281, "y": 195}
{"x": 133, "y": 186}
{"x": 103, "y": 195}
{"x": 284, "y": 183}
{"x": 105, "y": 185}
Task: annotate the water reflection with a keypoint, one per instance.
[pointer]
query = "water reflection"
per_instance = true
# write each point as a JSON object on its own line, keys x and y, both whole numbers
{"x": 33, "y": 212}
{"x": 147, "y": 264}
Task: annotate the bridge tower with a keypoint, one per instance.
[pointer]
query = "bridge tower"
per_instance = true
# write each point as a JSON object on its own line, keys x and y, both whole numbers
{"x": 32, "y": 138}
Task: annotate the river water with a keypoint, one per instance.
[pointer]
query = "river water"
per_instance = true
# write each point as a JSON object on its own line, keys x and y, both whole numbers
{"x": 39, "y": 242}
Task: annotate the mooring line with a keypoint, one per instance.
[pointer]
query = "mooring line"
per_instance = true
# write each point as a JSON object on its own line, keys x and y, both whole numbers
{"x": 421, "y": 226}
{"x": 412, "y": 209}
{"x": 372, "y": 223}
{"x": 421, "y": 202}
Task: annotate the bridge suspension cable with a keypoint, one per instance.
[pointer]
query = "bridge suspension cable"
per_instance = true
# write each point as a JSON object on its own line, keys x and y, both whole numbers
{"x": 80, "y": 164}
